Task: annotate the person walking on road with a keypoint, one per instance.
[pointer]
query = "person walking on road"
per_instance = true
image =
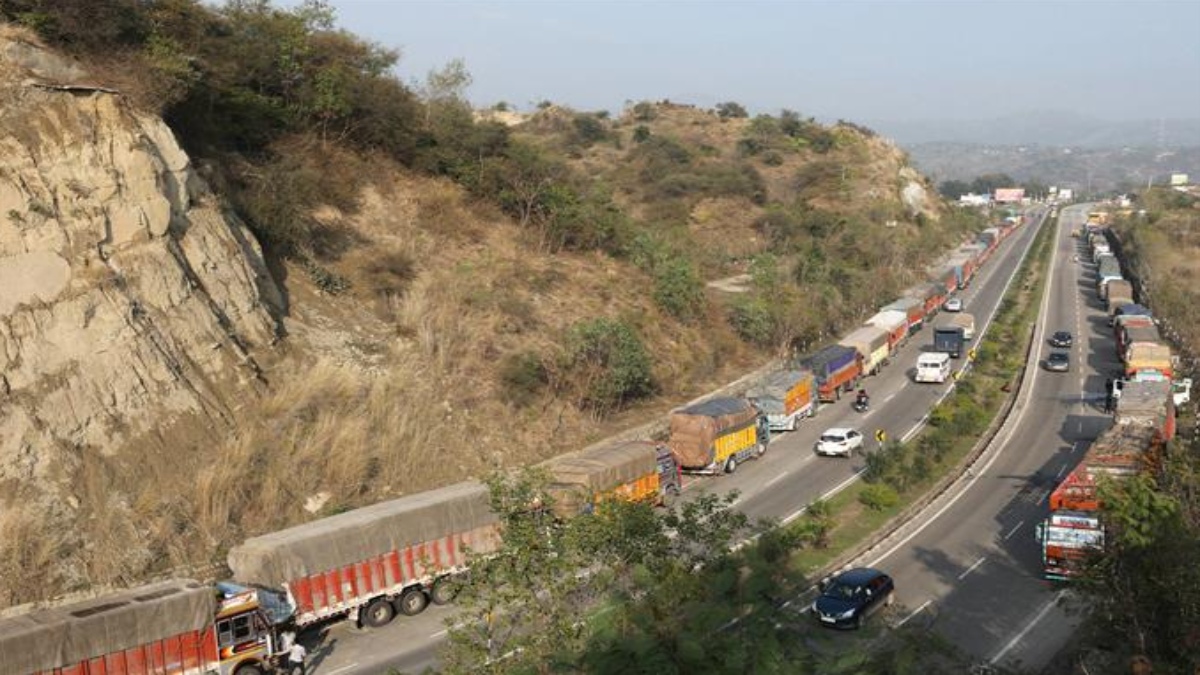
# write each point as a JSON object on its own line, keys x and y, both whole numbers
{"x": 296, "y": 656}
{"x": 1108, "y": 395}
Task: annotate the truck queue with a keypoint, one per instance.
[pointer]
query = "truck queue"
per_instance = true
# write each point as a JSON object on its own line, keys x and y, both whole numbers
{"x": 396, "y": 557}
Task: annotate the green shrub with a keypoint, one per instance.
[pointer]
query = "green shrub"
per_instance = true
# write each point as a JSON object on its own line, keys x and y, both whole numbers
{"x": 878, "y": 497}
{"x": 523, "y": 376}
{"x": 589, "y": 129}
{"x": 753, "y": 320}
{"x": 608, "y": 363}
{"x": 772, "y": 158}
{"x": 678, "y": 289}
{"x": 730, "y": 109}
{"x": 641, "y": 133}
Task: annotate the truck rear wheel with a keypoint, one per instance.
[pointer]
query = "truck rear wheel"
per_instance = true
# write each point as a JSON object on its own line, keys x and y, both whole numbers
{"x": 379, "y": 613}
{"x": 412, "y": 601}
{"x": 444, "y": 590}
{"x": 731, "y": 465}
{"x": 250, "y": 669}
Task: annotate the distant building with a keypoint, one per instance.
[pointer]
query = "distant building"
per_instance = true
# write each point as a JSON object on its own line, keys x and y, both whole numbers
{"x": 1009, "y": 195}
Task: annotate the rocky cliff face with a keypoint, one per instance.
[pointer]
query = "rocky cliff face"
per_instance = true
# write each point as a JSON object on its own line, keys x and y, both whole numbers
{"x": 133, "y": 306}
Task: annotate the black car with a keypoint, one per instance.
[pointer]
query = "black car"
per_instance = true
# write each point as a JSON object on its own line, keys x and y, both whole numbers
{"x": 852, "y": 596}
{"x": 1061, "y": 339}
{"x": 1058, "y": 361}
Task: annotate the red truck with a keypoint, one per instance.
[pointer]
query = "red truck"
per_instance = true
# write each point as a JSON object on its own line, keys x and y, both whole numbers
{"x": 837, "y": 369}
{"x": 370, "y": 563}
{"x": 176, "y": 627}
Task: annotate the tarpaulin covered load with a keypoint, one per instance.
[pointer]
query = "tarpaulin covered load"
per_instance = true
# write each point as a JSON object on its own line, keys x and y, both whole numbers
{"x": 829, "y": 360}
{"x": 931, "y": 294}
{"x": 276, "y": 558}
{"x": 60, "y": 637}
{"x": 872, "y": 343}
{"x": 784, "y": 392}
{"x": 896, "y": 322}
{"x": 577, "y": 479}
{"x": 1121, "y": 451}
{"x": 912, "y": 308}
{"x": 1120, "y": 292}
{"x": 1147, "y": 402}
{"x": 1145, "y": 333}
{"x": 695, "y": 429}
{"x": 1148, "y": 356}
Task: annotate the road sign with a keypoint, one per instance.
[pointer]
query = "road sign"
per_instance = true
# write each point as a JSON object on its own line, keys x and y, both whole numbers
{"x": 971, "y": 353}
{"x": 880, "y": 435}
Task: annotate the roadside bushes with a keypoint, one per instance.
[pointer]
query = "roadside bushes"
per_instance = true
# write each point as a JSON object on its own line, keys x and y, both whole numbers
{"x": 607, "y": 365}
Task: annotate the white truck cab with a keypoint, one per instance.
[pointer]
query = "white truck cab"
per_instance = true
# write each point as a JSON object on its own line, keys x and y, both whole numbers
{"x": 933, "y": 367}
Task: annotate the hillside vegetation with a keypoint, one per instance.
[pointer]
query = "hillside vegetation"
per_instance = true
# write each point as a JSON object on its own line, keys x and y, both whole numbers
{"x": 461, "y": 294}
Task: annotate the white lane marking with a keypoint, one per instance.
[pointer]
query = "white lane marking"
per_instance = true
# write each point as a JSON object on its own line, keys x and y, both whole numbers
{"x": 775, "y": 480}
{"x": 890, "y": 396}
{"x": 1014, "y": 530}
{"x": 1061, "y": 470}
{"x": 437, "y": 635}
{"x": 348, "y": 667}
{"x": 971, "y": 569}
{"x": 1025, "y": 631}
{"x": 915, "y": 612}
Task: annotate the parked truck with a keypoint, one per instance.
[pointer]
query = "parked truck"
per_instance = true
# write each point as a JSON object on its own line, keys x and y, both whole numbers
{"x": 872, "y": 344}
{"x": 1141, "y": 356}
{"x": 1075, "y": 529}
{"x": 837, "y": 369}
{"x": 1147, "y": 401}
{"x": 717, "y": 435}
{"x": 1142, "y": 332}
{"x": 1119, "y": 292}
{"x": 786, "y": 397}
{"x": 899, "y": 323}
{"x": 175, "y": 627}
{"x": 632, "y": 470}
{"x": 370, "y": 563}
{"x": 1108, "y": 269}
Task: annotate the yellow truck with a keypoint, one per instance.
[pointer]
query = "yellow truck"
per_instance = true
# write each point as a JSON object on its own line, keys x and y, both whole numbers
{"x": 632, "y": 470}
{"x": 717, "y": 435}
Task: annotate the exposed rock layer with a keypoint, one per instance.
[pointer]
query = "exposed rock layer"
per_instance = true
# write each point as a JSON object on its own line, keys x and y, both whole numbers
{"x": 131, "y": 301}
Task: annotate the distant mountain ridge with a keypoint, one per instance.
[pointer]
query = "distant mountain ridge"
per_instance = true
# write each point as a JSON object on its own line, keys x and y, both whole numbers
{"x": 1059, "y": 128}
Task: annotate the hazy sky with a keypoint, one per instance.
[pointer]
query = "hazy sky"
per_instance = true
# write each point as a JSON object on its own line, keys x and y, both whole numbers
{"x": 858, "y": 60}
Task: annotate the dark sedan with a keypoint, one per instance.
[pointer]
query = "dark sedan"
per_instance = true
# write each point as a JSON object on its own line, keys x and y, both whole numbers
{"x": 1061, "y": 339}
{"x": 1058, "y": 362}
{"x": 850, "y": 597}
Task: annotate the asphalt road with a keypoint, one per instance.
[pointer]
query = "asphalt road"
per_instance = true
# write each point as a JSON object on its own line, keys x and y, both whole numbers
{"x": 971, "y": 570}
{"x": 777, "y": 486}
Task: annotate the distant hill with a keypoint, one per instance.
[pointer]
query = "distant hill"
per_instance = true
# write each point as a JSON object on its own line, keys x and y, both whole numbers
{"x": 1101, "y": 169}
{"x": 1057, "y": 128}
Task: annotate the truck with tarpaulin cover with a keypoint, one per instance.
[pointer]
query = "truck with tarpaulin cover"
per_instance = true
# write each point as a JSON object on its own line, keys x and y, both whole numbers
{"x": 175, "y": 627}
{"x": 785, "y": 397}
{"x": 1137, "y": 333}
{"x": 1108, "y": 269}
{"x": 370, "y": 563}
{"x": 899, "y": 323}
{"x": 1147, "y": 401}
{"x": 872, "y": 345}
{"x": 630, "y": 471}
{"x": 1075, "y": 529}
{"x": 1119, "y": 292}
{"x": 837, "y": 369}
{"x": 717, "y": 435}
{"x": 932, "y": 295}
{"x": 1141, "y": 356}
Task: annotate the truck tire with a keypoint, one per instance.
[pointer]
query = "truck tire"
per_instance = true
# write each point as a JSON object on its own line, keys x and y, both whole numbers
{"x": 444, "y": 590}
{"x": 250, "y": 669}
{"x": 379, "y": 613}
{"x": 731, "y": 464}
{"x": 760, "y": 450}
{"x": 412, "y": 601}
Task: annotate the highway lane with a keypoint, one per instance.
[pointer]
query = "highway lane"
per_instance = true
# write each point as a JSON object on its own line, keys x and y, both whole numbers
{"x": 777, "y": 486}
{"x": 972, "y": 574}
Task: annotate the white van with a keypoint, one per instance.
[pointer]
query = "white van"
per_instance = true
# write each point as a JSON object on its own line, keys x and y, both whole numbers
{"x": 933, "y": 367}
